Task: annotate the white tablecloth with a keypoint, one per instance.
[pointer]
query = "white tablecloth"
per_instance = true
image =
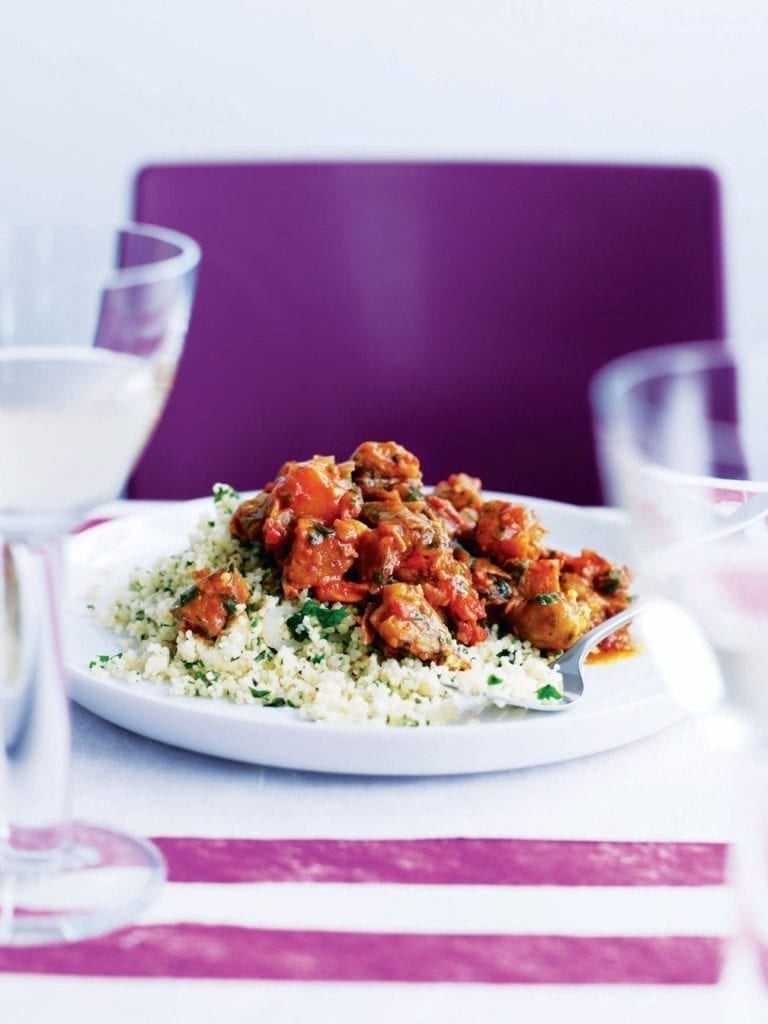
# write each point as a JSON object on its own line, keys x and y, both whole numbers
{"x": 677, "y": 787}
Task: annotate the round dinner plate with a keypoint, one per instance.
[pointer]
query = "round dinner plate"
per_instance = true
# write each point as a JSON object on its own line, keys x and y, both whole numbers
{"x": 624, "y": 699}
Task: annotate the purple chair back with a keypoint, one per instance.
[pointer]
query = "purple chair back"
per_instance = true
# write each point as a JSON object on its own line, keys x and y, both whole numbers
{"x": 458, "y": 308}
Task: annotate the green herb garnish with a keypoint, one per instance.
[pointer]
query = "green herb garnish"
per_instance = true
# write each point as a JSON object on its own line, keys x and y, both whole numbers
{"x": 222, "y": 491}
{"x": 609, "y": 583}
{"x": 102, "y": 659}
{"x": 548, "y": 692}
{"x": 494, "y": 680}
{"x": 273, "y": 702}
{"x": 279, "y": 702}
{"x": 318, "y": 532}
{"x": 328, "y": 618}
{"x": 547, "y": 598}
{"x": 198, "y": 671}
{"x": 187, "y": 597}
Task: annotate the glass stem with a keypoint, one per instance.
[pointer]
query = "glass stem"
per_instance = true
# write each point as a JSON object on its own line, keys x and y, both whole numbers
{"x": 34, "y": 706}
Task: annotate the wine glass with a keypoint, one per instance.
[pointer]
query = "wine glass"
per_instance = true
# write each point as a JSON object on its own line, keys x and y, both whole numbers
{"x": 92, "y": 323}
{"x": 682, "y": 435}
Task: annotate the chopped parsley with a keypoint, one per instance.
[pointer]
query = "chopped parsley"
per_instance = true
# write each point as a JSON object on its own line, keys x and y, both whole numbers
{"x": 510, "y": 653}
{"x": 103, "y": 659}
{"x": 549, "y": 692}
{"x": 187, "y": 597}
{"x": 223, "y": 491}
{"x": 197, "y": 670}
{"x": 494, "y": 680}
{"x": 278, "y": 702}
{"x": 327, "y": 618}
{"x": 547, "y": 598}
{"x": 609, "y": 583}
{"x": 318, "y": 532}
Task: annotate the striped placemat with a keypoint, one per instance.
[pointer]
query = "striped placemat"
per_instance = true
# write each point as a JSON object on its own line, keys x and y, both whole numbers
{"x": 419, "y": 910}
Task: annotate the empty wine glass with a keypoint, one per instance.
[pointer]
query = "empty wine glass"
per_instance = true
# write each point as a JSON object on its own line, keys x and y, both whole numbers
{"x": 92, "y": 323}
{"x": 682, "y": 434}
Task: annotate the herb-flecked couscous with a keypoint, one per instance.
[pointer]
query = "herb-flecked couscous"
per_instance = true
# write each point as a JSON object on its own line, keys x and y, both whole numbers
{"x": 298, "y": 653}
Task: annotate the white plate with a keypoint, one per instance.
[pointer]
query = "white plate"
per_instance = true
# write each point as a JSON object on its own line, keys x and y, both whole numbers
{"x": 624, "y": 700}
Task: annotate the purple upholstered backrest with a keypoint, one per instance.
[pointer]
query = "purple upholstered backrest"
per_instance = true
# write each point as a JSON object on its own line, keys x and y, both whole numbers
{"x": 458, "y": 308}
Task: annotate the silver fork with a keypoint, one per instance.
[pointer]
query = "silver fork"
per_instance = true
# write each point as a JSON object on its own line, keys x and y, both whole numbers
{"x": 571, "y": 665}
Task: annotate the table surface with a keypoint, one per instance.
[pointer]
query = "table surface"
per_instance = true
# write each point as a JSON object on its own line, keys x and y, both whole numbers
{"x": 594, "y": 888}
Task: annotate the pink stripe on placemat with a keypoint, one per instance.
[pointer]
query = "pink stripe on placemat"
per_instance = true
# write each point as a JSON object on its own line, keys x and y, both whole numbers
{"x": 443, "y": 861}
{"x": 205, "y": 951}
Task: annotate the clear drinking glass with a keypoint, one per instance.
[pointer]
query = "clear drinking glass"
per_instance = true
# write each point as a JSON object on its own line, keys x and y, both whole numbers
{"x": 682, "y": 434}
{"x": 92, "y": 323}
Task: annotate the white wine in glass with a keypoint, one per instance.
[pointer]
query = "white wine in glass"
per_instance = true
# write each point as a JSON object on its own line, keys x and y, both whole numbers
{"x": 92, "y": 324}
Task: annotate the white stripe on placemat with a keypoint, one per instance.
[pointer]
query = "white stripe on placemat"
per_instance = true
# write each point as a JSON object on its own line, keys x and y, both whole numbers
{"x": 469, "y": 910}
{"x": 132, "y": 1001}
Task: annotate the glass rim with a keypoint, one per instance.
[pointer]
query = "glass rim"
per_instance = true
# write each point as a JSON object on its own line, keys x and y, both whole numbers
{"x": 611, "y": 384}
{"x": 653, "y": 470}
{"x": 177, "y": 265}
{"x": 615, "y": 378}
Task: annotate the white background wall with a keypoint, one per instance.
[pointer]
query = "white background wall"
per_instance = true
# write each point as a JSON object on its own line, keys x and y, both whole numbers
{"x": 91, "y": 90}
